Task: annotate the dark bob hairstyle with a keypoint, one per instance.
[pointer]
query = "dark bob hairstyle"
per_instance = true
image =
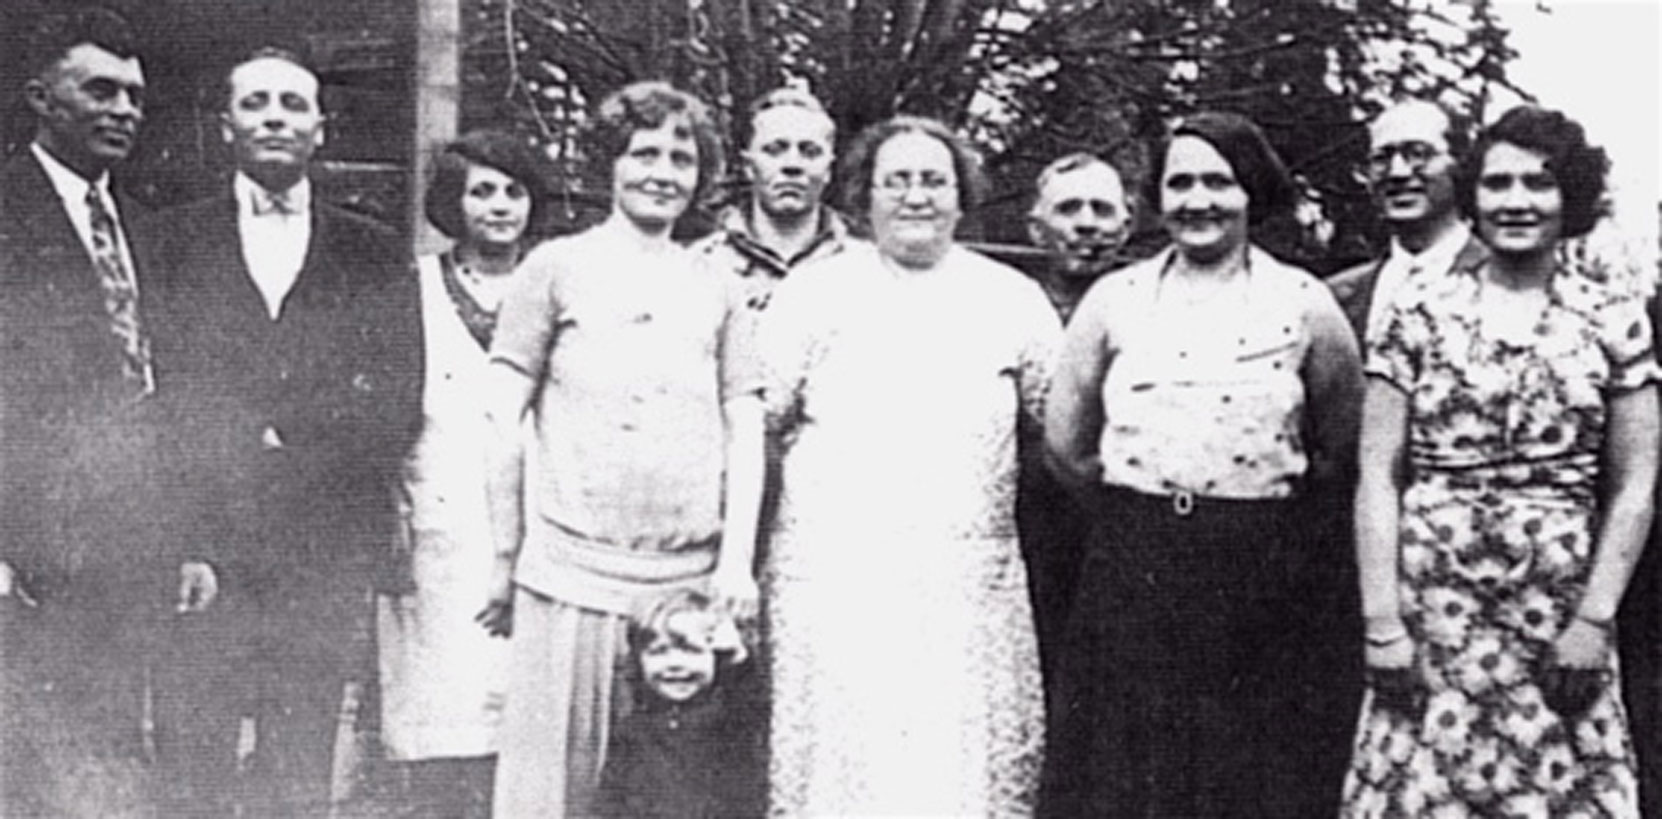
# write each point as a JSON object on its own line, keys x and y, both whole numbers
{"x": 1578, "y": 167}
{"x": 1269, "y": 189}
{"x": 644, "y": 106}
{"x": 492, "y": 149}
{"x": 856, "y": 168}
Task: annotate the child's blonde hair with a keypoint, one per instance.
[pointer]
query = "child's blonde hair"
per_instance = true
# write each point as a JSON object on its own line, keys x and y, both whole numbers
{"x": 717, "y": 629}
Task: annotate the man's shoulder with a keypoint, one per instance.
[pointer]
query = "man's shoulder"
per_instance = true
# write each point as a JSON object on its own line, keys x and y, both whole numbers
{"x": 1352, "y": 282}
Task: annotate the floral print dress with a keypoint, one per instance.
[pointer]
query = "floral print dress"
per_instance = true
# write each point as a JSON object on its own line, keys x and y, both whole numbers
{"x": 1497, "y": 541}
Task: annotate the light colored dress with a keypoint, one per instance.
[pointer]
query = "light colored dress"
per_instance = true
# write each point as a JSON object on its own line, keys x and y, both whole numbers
{"x": 442, "y": 676}
{"x": 633, "y": 357}
{"x": 905, "y": 672}
{"x": 1497, "y": 541}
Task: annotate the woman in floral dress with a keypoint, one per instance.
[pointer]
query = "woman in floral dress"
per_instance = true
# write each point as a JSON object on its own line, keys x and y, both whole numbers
{"x": 905, "y": 376}
{"x": 1509, "y": 454}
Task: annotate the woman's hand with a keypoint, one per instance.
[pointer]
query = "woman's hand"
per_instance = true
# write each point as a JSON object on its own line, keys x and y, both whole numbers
{"x": 1582, "y": 644}
{"x": 1389, "y": 659}
{"x": 737, "y": 587}
{"x": 497, "y": 616}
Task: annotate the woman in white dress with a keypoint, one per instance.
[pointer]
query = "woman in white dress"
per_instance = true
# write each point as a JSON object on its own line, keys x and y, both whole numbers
{"x": 904, "y": 377}
{"x": 442, "y": 675}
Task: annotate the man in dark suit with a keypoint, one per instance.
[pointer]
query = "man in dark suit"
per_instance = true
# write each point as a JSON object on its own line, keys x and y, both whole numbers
{"x": 291, "y": 366}
{"x": 1415, "y": 151}
{"x": 78, "y": 579}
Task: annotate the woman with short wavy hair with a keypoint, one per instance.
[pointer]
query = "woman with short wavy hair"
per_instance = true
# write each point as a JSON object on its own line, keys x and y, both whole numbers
{"x": 1204, "y": 405}
{"x": 1509, "y": 453}
{"x": 906, "y": 375}
{"x": 647, "y": 470}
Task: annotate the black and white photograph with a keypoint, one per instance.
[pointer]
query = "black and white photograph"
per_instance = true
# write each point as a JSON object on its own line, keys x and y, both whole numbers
{"x": 726, "y": 409}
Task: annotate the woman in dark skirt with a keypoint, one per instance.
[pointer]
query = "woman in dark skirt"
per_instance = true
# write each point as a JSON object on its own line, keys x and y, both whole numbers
{"x": 1205, "y": 406}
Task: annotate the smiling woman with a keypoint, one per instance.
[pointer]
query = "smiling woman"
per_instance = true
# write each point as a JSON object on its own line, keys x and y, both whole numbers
{"x": 1205, "y": 403}
{"x": 648, "y": 437}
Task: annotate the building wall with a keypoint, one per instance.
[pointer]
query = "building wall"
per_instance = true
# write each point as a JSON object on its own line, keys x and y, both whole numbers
{"x": 362, "y": 49}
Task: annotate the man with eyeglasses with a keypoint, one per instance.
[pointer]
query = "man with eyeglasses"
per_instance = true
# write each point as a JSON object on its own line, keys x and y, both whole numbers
{"x": 786, "y": 160}
{"x": 1416, "y": 149}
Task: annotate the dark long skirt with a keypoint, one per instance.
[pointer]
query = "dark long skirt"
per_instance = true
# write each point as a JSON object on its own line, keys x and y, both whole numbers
{"x": 1206, "y": 669}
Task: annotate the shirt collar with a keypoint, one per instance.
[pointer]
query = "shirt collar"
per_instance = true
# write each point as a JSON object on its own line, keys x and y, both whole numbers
{"x": 71, "y": 186}
{"x": 247, "y": 191}
{"x": 1440, "y": 255}
{"x": 735, "y": 223}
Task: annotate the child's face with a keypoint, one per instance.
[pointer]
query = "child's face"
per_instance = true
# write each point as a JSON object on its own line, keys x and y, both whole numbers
{"x": 675, "y": 667}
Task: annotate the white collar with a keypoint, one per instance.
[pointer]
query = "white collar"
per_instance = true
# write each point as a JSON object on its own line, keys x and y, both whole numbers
{"x": 71, "y": 186}
{"x": 1439, "y": 255}
{"x": 299, "y": 195}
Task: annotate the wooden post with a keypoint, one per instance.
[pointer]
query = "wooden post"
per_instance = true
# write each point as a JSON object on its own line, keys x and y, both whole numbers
{"x": 438, "y": 98}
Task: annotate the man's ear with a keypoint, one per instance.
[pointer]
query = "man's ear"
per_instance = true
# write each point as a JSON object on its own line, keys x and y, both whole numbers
{"x": 1035, "y": 231}
{"x": 39, "y": 97}
{"x": 225, "y": 132}
{"x": 319, "y": 131}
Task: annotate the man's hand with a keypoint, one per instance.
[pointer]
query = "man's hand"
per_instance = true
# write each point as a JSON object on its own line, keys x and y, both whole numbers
{"x": 12, "y": 587}
{"x": 198, "y": 586}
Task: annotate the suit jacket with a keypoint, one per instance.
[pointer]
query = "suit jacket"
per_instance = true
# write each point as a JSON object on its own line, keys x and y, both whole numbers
{"x": 74, "y": 441}
{"x": 1354, "y": 286}
{"x": 285, "y": 436}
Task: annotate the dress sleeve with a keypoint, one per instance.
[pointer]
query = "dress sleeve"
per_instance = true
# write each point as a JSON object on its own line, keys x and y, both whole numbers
{"x": 530, "y": 312}
{"x": 1393, "y": 353}
{"x": 741, "y": 367}
{"x": 787, "y": 344}
{"x": 1039, "y": 341}
{"x": 1628, "y": 341}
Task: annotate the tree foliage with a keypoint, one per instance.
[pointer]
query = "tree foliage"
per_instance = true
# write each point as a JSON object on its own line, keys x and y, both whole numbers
{"x": 1027, "y": 80}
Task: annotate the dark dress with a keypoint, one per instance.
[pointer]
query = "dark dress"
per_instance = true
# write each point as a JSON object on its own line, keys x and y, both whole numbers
{"x": 701, "y": 759}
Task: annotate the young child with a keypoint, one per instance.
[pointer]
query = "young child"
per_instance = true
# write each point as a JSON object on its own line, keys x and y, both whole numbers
{"x": 686, "y": 751}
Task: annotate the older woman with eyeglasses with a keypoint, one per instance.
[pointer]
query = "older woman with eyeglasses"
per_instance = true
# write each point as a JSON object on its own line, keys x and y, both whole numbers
{"x": 1509, "y": 454}
{"x": 904, "y": 377}
{"x": 1205, "y": 406}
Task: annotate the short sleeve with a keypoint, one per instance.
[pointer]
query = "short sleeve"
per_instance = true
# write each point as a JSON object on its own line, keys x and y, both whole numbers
{"x": 525, "y": 327}
{"x": 1628, "y": 341}
{"x": 1039, "y": 342}
{"x": 786, "y": 346}
{"x": 1393, "y": 353}
{"x": 741, "y": 366}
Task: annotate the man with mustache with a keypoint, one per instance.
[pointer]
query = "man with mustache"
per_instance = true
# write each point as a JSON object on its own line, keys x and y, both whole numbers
{"x": 1080, "y": 216}
{"x": 1415, "y": 150}
{"x": 787, "y": 160}
{"x": 292, "y": 365}
{"x": 79, "y": 581}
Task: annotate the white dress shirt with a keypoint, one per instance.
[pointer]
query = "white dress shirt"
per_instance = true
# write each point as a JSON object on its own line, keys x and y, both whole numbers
{"x": 72, "y": 190}
{"x": 1402, "y": 265}
{"x": 273, "y": 243}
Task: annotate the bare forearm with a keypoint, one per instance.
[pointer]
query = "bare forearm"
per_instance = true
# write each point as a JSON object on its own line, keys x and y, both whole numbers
{"x": 743, "y": 478}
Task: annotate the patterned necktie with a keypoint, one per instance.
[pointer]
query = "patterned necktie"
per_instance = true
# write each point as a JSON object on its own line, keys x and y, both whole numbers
{"x": 267, "y": 203}
{"x": 120, "y": 296}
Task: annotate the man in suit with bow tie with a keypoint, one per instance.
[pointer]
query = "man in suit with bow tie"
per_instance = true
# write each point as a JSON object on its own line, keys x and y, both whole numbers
{"x": 79, "y": 579}
{"x": 291, "y": 368}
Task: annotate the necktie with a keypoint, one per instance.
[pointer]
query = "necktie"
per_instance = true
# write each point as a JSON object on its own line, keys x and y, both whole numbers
{"x": 267, "y": 203}
{"x": 120, "y": 296}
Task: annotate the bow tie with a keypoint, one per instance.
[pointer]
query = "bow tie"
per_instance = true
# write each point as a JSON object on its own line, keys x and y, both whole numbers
{"x": 267, "y": 203}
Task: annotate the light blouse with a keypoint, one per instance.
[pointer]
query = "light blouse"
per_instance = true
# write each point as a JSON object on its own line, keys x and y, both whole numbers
{"x": 1224, "y": 397}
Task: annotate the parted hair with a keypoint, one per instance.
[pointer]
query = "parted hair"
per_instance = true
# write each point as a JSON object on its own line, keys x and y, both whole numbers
{"x": 647, "y": 105}
{"x": 1258, "y": 169}
{"x": 856, "y": 167}
{"x": 490, "y": 148}
{"x": 1578, "y": 166}
{"x": 56, "y": 33}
